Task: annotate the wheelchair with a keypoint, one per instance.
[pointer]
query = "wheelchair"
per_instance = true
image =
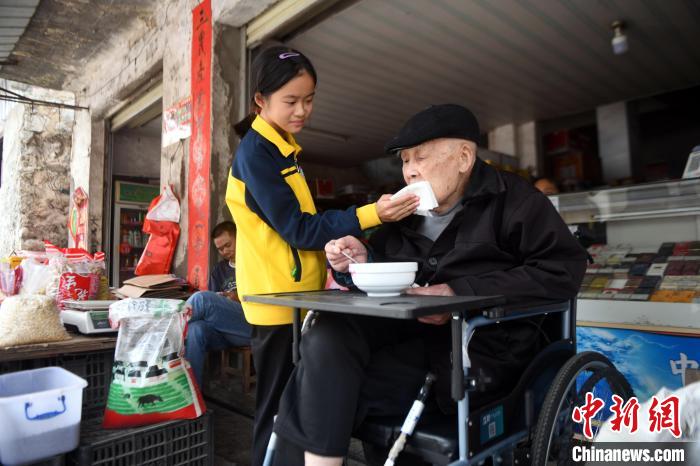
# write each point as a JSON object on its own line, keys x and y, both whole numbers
{"x": 531, "y": 425}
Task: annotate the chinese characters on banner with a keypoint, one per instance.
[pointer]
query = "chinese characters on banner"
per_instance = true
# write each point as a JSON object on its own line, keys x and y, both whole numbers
{"x": 663, "y": 414}
{"x": 200, "y": 148}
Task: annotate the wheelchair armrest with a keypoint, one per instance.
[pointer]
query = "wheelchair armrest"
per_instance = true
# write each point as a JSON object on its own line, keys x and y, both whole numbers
{"x": 492, "y": 316}
{"x": 522, "y": 310}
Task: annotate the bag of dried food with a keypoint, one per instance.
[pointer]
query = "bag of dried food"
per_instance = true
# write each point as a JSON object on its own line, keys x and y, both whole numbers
{"x": 26, "y": 319}
{"x": 80, "y": 272}
{"x": 151, "y": 380}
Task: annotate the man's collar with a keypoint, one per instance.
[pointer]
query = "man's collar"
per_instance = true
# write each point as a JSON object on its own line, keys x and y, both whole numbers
{"x": 286, "y": 147}
{"x": 483, "y": 181}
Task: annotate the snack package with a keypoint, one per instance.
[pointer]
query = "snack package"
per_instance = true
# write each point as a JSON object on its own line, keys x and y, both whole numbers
{"x": 79, "y": 273}
{"x": 151, "y": 380}
{"x": 10, "y": 277}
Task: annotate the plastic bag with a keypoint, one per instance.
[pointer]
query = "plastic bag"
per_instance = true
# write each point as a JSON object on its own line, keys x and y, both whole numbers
{"x": 157, "y": 257}
{"x": 37, "y": 277}
{"x": 164, "y": 208}
{"x": 151, "y": 381}
{"x": 30, "y": 319}
{"x": 10, "y": 278}
{"x": 79, "y": 273}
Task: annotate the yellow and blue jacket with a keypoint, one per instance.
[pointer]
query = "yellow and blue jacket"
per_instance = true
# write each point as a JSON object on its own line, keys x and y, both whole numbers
{"x": 280, "y": 236}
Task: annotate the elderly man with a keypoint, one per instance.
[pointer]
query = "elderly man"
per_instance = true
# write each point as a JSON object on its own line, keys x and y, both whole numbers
{"x": 491, "y": 234}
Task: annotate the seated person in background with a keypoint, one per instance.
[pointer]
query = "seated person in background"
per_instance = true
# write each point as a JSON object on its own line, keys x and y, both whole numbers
{"x": 491, "y": 234}
{"x": 217, "y": 316}
{"x": 546, "y": 186}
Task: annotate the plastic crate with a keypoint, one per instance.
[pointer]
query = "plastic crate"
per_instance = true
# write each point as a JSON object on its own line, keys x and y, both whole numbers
{"x": 172, "y": 443}
{"x": 95, "y": 367}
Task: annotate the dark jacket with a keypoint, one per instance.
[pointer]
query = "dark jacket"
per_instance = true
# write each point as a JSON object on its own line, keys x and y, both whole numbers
{"x": 507, "y": 240}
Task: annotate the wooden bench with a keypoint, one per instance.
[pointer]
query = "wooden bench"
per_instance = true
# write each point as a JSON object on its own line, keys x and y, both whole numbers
{"x": 244, "y": 369}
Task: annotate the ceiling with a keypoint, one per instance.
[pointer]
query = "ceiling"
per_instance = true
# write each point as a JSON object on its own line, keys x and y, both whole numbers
{"x": 380, "y": 61}
{"x": 64, "y": 35}
{"x": 14, "y": 18}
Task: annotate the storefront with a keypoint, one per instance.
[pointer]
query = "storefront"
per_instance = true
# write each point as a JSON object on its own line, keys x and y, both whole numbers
{"x": 552, "y": 97}
{"x": 554, "y": 100}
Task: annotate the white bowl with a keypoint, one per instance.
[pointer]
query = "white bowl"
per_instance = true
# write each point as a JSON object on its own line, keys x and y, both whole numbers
{"x": 380, "y": 279}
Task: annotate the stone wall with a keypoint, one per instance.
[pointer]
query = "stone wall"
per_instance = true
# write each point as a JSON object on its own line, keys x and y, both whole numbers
{"x": 34, "y": 196}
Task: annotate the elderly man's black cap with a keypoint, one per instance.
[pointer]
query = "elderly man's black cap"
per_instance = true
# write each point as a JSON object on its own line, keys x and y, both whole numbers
{"x": 436, "y": 121}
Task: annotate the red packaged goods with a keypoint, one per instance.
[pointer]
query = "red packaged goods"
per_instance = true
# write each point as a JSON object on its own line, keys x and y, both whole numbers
{"x": 162, "y": 225}
{"x": 80, "y": 272}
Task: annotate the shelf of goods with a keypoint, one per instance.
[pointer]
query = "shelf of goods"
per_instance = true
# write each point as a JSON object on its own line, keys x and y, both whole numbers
{"x": 639, "y": 303}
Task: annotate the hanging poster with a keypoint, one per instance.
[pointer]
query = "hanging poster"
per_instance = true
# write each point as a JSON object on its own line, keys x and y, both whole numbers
{"x": 77, "y": 219}
{"x": 177, "y": 122}
{"x": 200, "y": 148}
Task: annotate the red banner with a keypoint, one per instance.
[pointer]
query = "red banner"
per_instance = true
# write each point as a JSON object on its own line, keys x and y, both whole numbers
{"x": 200, "y": 148}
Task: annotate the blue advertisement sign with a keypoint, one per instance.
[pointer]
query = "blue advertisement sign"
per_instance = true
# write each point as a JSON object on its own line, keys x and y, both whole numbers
{"x": 649, "y": 361}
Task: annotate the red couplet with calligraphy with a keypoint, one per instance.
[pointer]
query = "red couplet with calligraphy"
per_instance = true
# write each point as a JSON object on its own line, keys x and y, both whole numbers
{"x": 200, "y": 148}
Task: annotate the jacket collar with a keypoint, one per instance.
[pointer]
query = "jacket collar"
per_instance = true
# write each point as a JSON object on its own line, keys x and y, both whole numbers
{"x": 483, "y": 181}
{"x": 286, "y": 147}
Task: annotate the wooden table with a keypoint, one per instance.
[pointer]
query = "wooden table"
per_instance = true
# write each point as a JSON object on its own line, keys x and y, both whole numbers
{"x": 77, "y": 344}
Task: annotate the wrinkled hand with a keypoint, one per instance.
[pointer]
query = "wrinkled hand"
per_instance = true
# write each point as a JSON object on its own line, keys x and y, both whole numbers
{"x": 433, "y": 290}
{"x": 352, "y": 246}
{"x": 401, "y": 207}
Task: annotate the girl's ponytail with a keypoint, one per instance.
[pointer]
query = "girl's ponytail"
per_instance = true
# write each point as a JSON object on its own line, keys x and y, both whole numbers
{"x": 243, "y": 126}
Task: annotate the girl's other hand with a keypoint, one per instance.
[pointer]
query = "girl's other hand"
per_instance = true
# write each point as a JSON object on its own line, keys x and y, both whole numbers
{"x": 351, "y": 246}
{"x": 401, "y": 207}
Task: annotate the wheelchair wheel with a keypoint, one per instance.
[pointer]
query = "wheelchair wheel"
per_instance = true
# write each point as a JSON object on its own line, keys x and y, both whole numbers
{"x": 556, "y": 433}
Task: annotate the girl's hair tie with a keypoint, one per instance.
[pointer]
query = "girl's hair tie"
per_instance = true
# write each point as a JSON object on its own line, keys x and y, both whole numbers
{"x": 284, "y": 55}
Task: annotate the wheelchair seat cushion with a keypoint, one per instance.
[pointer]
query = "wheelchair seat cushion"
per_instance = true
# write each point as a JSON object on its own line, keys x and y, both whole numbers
{"x": 436, "y": 433}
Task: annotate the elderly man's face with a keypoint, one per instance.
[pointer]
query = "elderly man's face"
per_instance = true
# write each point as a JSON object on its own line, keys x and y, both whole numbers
{"x": 445, "y": 163}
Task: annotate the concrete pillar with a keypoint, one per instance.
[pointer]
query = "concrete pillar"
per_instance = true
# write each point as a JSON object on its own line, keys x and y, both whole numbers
{"x": 527, "y": 147}
{"x": 519, "y": 142}
{"x": 176, "y": 87}
{"x": 614, "y": 141}
{"x": 226, "y": 111}
{"x": 36, "y": 180}
{"x": 81, "y": 170}
{"x": 502, "y": 139}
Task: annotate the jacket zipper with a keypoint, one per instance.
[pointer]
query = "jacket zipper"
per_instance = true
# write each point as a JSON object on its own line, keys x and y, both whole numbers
{"x": 296, "y": 271}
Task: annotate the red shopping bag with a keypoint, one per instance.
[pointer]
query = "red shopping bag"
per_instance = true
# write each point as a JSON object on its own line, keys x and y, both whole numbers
{"x": 161, "y": 224}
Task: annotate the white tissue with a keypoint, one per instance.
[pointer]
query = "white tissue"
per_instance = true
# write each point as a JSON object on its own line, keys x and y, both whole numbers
{"x": 427, "y": 197}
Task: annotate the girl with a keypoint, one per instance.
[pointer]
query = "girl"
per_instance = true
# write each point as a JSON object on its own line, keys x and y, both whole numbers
{"x": 280, "y": 234}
